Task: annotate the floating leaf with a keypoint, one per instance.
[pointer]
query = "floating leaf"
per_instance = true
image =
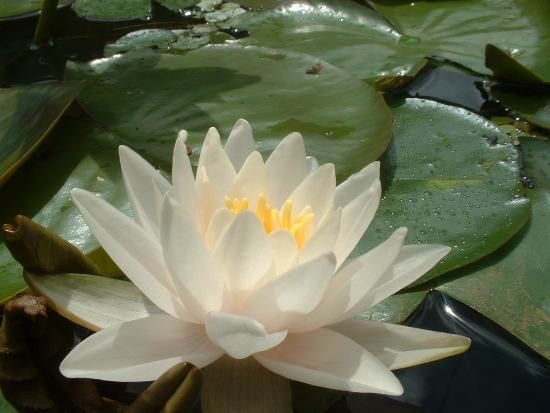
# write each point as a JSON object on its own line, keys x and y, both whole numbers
{"x": 506, "y": 68}
{"x": 511, "y": 286}
{"x": 155, "y": 38}
{"x": 177, "y": 5}
{"x": 146, "y": 98}
{"x": 28, "y": 114}
{"x": 21, "y": 8}
{"x": 112, "y": 9}
{"x": 451, "y": 182}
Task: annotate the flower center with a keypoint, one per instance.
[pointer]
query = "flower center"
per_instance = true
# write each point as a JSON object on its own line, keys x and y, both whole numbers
{"x": 274, "y": 219}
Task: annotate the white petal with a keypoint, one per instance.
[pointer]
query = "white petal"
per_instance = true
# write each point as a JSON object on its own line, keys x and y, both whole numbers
{"x": 286, "y": 167}
{"x": 323, "y": 239}
{"x": 244, "y": 252}
{"x": 183, "y": 180}
{"x": 240, "y": 143}
{"x": 91, "y": 301}
{"x": 217, "y": 225}
{"x": 198, "y": 278}
{"x": 356, "y": 184}
{"x": 136, "y": 252}
{"x": 218, "y": 167}
{"x": 208, "y": 200}
{"x": 400, "y": 346}
{"x": 351, "y": 284}
{"x": 412, "y": 262}
{"x": 240, "y": 336}
{"x": 283, "y": 248}
{"x": 328, "y": 359}
{"x": 317, "y": 191}
{"x": 251, "y": 180}
{"x": 291, "y": 294}
{"x": 138, "y": 177}
{"x": 140, "y": 350}
{"x": 356, "y": 217}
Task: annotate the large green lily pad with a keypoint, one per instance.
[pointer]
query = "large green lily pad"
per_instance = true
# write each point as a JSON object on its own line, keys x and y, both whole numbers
{"x": 511, "y": 286}
{"x": 28, "y": 114}
{"x": 78, "y": 154}
{"x": 20, "y": 8}
{"x": 146, "y": 98}
{"x": 358, "y": 39}
{"x": 451, "y": 181}
{"x": 112, "y": 9}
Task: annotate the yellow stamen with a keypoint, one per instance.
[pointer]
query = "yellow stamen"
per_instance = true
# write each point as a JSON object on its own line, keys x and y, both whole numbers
{"x": 274, "y": 219}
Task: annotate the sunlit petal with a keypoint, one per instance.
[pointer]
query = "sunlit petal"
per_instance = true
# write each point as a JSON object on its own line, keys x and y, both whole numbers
{"x": 240, "y": 143}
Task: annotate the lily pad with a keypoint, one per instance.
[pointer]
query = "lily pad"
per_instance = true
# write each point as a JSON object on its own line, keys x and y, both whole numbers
{"x": 459, "y": 30}
{"x": 532, "y": 103}
{"x": 511, "y": 286}
{"x": 78, "y": 154}
{"x": 506, "y": 68}
{"x": 451, "y": 181}
{"x": 177, "y": 5}
{"x": 146, "y": 98}
{"x": 28, "y": 114}
{"x": 154, "y": 38}
{"x": 113, "y": 9}
{"x": 21, "y": 8}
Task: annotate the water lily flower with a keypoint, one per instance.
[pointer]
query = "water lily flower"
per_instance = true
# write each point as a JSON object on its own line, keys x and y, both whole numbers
{"x": 250, "y": 259}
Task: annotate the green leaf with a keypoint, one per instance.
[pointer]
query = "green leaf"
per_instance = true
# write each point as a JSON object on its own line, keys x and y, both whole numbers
{"x": 511, "y": 286}
{"x": 532, "y": 103}
{"x": 177, "y": 5}
{"x": 506, "y": 68}
{"x": 459, "y": 30}
{"x": 450, "y": 181}
{"x": 28, "y": 113}
{"x": 155, "y": 38}
{"x": 78, "y": 154}
{"x": 112, "y": 9}
{"x": 146, "y": 98}
{"x": 21, "y": 8}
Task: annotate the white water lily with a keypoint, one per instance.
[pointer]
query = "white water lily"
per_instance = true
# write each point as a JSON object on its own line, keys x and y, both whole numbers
{"x": 249, "y": 259}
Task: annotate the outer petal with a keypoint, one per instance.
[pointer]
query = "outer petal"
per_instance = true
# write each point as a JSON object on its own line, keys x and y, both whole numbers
{"x": 286, "y": 167}
{"x": 296, "y": 292}
{"x": 251, "y": 180}
{"x": 283, "y": 248}
{"x": 198, "y": 278}
{"x": 134, "y": 250}
{"x": 183, "y": 180}
{"x": 208, "y": 199}
{"x": 317, "y": 191}
{"x": 328, "y": 359}
{"x": 356, "y": 217}
{"x": 138, "y": 177}
{"x": 217, "y": 164}
{"x": 412, "y": 262}
{"x": 351, "y": 284}
{"x": 244, "y": 252}
{"x": 240, "y": 336}
{"x": 92, "y": 301}
{"x": 140, "y": 350}
{"x": 356, "y": 184}
{"x": 400, "y": 346}
{"x": 240, "y": 143}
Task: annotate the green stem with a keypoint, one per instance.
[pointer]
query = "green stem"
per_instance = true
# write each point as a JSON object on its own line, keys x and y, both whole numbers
{"x": 45, "y": 22}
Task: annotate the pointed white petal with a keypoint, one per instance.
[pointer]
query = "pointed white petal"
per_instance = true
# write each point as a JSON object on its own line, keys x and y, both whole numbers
{"x": 400, "y": 346}
{"x": 138, "y": 177}
{"x": 283, "y": 248}
{"x": 240, "y": 143}
{"x": 291, "y": 294}
{"x": 328, "y": 359}
{"x": 140, "y": 350}
{"x": 356, "y": 217}
{"x": 240, "y": 336}
{"x": 351, "y": 284}
{"x": 218, "y": 167}
{"x": 323, "y": 239}
{"x": 91, "y": 301}
{"x": 136, "y": 252}
{"x": 286, "y": 167}
{"x": 217, "y": 225}
{"x": 251, "y": 180}
{"x": 196, "y": 274}
{"x": 244, "y": 253}
{"x": 317, "y": 191}
{"x": 183, "y": 180}
{"x": 412, "y": 262}
{"x": 208, "y": 200}
{"x": 357, "y": 184}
